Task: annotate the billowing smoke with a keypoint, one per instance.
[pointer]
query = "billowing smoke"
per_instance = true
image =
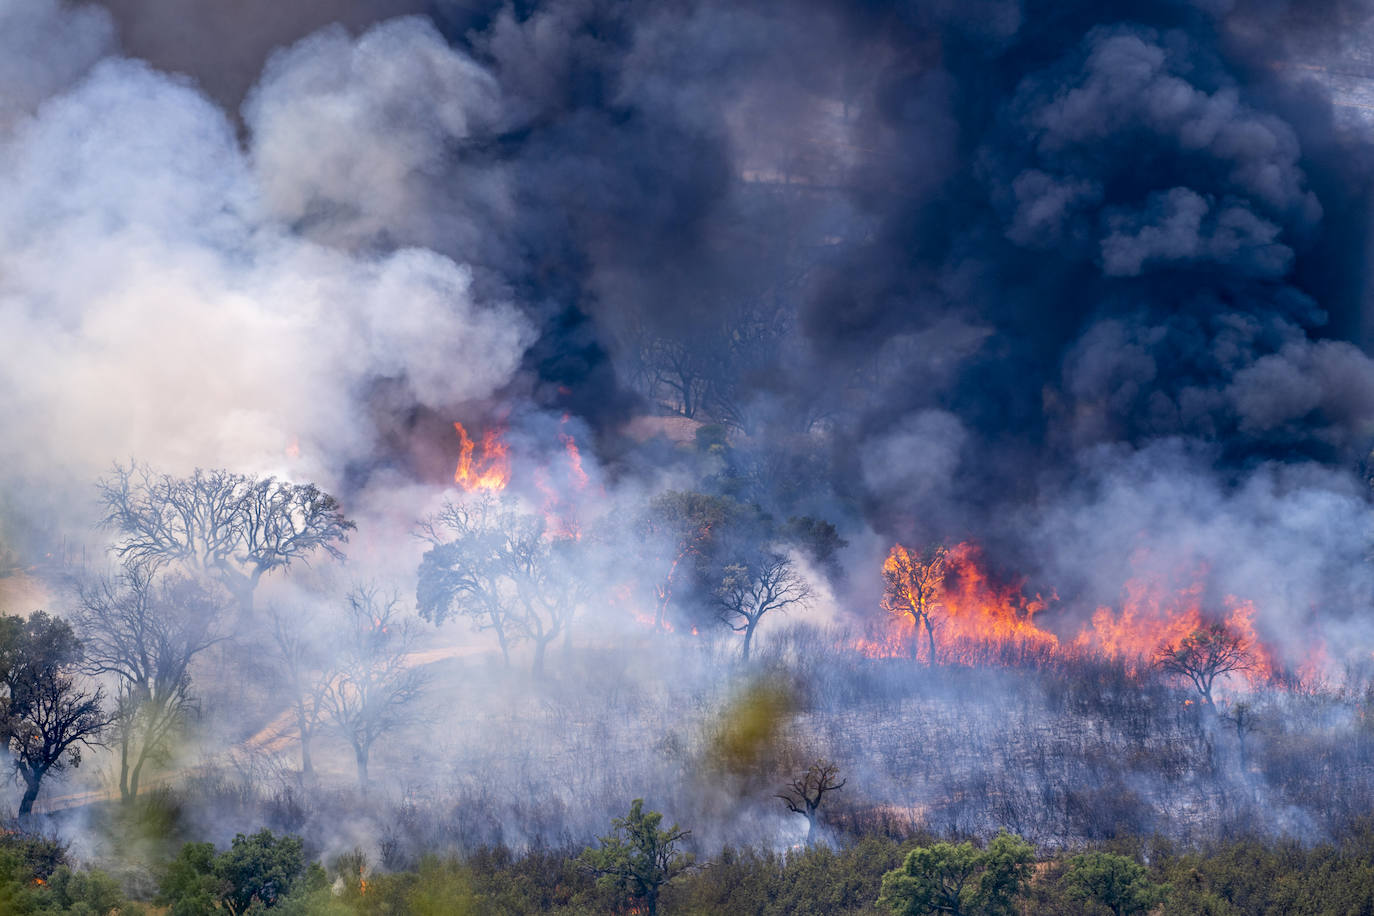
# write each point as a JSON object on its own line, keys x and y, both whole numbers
{"x": 1084, "y": 283}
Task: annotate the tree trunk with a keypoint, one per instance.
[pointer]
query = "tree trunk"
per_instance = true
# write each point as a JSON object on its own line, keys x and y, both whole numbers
{"x": 749, "y": 638}
{"x": 541, "y": 643}
{"x": 360, "y": 754}
{"x": 124, "y": 764}
{"x": 307, "y": 768}
{"x": 501, "y": 639}
{"x": 135, "y": 773}
{"x": 930, "y": 638}
{"x": 32, "y": 780}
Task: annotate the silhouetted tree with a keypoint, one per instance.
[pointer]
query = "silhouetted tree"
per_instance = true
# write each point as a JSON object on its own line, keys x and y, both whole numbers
{"x": 1205, "y": 655}
{"x": 638, "y": 858}
{"x": 372, "y": 686}
{"x": 913, "y": 584}
{"x": 47, "y": 717}
{"x": 505, "y": 569}
{"x": 804, "y": 794}
{"x": 749, "y": 591}
{"x": 144, "y": 629}
{"x": 231, "y": 526}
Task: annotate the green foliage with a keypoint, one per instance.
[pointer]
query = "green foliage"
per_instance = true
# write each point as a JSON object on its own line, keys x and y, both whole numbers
{"x": 45, "y": 719}
{"x": 190, "y": 886}
{"x": 35, "y": 879}
{"x": 255, "y": 873}
{"x": 1115, "y": 882}
{"x": 960, "y": 880}
{"x": 638, "y": 858}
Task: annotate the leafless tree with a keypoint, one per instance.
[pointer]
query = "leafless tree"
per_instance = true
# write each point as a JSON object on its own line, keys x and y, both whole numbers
{"x": 144, "y": 629}
{"x": 305, "y": 673}
{"x": 372, "y": 687}
{"x": 234, "y": 527}
{"x": 505, "y": 569}
{"x": 804, "y": 794}
{"x": 913, "y": 584}
{"x": 748, "y": 591}
{"x": 1205, "y": 655}
{"x": 1246, "y": 720}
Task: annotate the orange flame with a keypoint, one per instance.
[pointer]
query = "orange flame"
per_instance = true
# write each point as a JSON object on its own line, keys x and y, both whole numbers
{"x": 970, "y": 611}
{"x": 978, "y": 619}
{"x": 489, "y": 472}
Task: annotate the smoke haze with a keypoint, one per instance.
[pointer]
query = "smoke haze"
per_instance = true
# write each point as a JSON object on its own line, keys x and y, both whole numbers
{"x": 1085, "y": 283}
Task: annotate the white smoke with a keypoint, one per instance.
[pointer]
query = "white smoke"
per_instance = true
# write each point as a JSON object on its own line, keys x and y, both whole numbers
{"x": 155, "y": 303}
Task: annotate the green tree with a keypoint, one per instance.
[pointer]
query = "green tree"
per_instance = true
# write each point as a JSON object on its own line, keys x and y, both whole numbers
{"x": 959, "y": 880}
{"x": 638, "y": 858}
{"x": 190, "y": 886}
{"x": 256, "y": 872}
{"x": 47, "y": 717}
{"x": 1120, "y": 884}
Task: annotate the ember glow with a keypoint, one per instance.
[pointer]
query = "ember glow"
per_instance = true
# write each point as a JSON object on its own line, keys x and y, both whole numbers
{"x": 488, "y": 469}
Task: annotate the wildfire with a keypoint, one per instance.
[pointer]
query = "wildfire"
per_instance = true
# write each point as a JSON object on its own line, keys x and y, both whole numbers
{"x": 947, "y": 600}
{"x": 968, "y": 611}
{"x": 488, "y": 471}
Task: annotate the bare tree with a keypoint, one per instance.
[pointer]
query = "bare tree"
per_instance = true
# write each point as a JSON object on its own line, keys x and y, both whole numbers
{"x": 304, "y": 672}
{"x": 503, "y": 568}
{"x": 1204, "y": 655}
{"x": 913, "y": 584}
{"x": 370, "y": 691}
{"x": 48, "y": 718}
{"x": 748, "y": 591}
{"x": 1246, "y": 720}
{"x": 144, "y": 629}
{"x": 234, "y": 527}
{"x": 804, "y": 794}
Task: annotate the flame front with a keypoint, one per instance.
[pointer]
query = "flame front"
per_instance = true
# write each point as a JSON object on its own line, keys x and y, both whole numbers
{"x": 974, "y": 619}
{"x": 488, "y": 471}
{"x": 970, "y": 613}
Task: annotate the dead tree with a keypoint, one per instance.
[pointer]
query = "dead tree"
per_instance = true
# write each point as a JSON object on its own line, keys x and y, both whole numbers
{"x": 144, "y": 629}
{"x": 804, "y": 794}
{"x": 230, "y": 526}
{"x": 913, "y": 584}
{"x": 372, "y": 686}
{"x": 770, "y": 582}
{"x": 1205, "y": 655}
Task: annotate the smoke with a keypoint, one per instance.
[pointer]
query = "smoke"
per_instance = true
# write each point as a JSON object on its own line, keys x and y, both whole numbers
{"x": 1083, "y": 282}
{"x": 155, "y": 304}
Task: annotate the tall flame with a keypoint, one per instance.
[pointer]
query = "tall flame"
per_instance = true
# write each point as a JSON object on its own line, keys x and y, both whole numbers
{"x": 488, "y": 471}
